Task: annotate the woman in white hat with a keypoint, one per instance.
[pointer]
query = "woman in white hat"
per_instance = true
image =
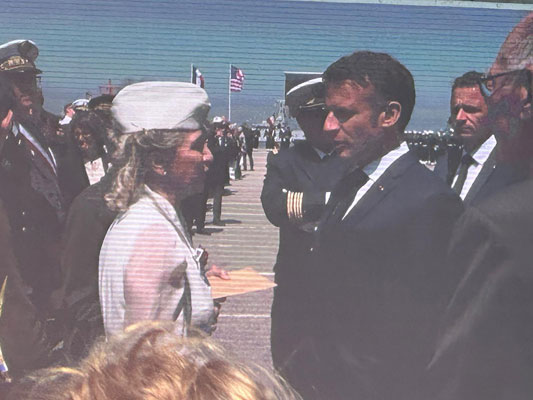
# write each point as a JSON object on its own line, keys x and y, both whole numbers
{"x": 148, "y": 267}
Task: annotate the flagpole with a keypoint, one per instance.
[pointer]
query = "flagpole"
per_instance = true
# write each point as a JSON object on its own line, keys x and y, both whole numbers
{"x": 229, "y": 94}
{"x": 192, "y": 72}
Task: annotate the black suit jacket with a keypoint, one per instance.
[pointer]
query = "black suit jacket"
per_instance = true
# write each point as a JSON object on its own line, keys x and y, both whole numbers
{"x": 218, "y": 173}
{"x": 86, "y": 227}
{"x": 492, "y": 178}
{"x": 485, "y": 348}
{"x": 381, "y": 277}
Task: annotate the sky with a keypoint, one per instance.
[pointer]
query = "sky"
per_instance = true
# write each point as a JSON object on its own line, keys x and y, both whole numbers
{"x": 85, "y": 43}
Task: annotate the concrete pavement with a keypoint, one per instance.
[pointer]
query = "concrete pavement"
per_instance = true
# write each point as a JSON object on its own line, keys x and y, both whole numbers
{"x": 246, "y": 240}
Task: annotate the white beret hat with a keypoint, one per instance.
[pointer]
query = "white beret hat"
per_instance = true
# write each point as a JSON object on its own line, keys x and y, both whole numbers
{"x": 160, "y": 105}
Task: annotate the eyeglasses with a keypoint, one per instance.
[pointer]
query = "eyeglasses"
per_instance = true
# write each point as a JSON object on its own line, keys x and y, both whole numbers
{"x": 341, "y": 115}
{"x": 519, "y": 76}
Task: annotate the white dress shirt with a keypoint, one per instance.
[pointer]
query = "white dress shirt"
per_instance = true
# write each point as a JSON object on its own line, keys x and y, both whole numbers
{"x": 480, "y": 156}
{"x": 145, "y": 262}
{"x": 375, "y": 169}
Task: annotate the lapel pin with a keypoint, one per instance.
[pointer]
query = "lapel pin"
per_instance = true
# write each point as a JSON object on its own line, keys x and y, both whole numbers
{"x": 380, "y": 187}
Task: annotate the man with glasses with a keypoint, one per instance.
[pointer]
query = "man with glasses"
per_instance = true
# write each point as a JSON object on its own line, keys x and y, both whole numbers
{"x": 381, "y": 240}
{"x": 295, "y": 191}
{"x": 484, "y": 350}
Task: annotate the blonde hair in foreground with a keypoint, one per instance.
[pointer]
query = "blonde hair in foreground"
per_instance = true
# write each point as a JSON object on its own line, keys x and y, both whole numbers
{"x": 149, "y": 362}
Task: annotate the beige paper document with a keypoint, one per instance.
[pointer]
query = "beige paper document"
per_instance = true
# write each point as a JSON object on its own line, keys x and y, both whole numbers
{"x": 242, "y": 281}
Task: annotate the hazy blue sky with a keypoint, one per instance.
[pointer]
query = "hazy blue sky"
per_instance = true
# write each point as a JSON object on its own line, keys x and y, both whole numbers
{"x": 84, "y": 43}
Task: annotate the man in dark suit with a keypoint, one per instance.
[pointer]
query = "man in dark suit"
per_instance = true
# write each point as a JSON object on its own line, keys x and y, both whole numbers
{"x": 477, "y": 172}
{"x": 381, "y": 240}
{"x": 484, "y": 350}
{"x": 294, "y": 194}
{"x": 218, "y": 173}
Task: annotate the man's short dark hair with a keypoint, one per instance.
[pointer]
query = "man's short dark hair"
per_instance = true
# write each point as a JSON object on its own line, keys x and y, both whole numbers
{"x": 391, "y": 79}
{"x": 469, "y": 79}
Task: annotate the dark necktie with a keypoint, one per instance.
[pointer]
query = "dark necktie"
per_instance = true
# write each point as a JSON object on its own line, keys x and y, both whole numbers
{"x": 344, "y": 193}
{"x": 466, "y": 162}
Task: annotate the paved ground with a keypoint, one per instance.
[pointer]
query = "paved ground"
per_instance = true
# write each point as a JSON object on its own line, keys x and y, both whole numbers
{"x": 247, "y": 239}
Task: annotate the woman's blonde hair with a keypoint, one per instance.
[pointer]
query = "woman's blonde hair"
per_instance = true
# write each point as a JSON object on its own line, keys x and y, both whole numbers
{"x": 132, "y": 157}
{"x": 149, "y": 362}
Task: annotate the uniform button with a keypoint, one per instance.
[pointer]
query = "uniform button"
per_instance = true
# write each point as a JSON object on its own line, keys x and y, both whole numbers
{"x": 381, "y": 188}
{"x": 312, "y": 249}
{"x": 23, "y": 213}
{"x": 32, "y": 153}
{"x": 316, "y": 228}
{"x": 23, "y": 229}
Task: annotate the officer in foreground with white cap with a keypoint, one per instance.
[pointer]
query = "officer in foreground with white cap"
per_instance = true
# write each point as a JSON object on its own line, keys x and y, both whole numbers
{"x": 148, "y": 266}
{"x": 294, "y": 194}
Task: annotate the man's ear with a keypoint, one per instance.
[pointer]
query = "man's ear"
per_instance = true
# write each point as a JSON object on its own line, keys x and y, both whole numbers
{"x": 158, "y": 168}
{"x": 390, "y": 115}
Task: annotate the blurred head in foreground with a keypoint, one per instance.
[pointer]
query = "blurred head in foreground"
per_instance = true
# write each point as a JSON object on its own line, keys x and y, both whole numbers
{"x": 148, "y": 361}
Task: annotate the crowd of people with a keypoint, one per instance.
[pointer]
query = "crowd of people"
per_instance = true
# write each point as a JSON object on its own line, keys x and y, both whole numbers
{"x": 397, "y": 278}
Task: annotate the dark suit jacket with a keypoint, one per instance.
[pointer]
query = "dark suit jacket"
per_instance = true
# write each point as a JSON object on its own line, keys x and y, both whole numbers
{"x": 86, "y": 227}
{"x": 381, "y": 276}
{"x": 485, "y": 349}
{"x": 492, "y": 178}
{"x": 298, "y": 169}
{"x": 218, "y": 173}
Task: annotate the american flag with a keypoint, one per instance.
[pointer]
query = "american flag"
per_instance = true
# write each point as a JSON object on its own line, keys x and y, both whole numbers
{"x": 236, "y": 79}
{"x": 197, "y": 77}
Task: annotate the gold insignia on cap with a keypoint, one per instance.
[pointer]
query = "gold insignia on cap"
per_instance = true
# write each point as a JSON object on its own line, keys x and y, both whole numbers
{"x": 15, "y": 62}
{"x": 103, "y": 107}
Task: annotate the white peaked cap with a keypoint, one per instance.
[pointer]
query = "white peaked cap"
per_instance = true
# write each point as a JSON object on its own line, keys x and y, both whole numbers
{"x": 160, "y": 105}
{"x": 308, "y": 94}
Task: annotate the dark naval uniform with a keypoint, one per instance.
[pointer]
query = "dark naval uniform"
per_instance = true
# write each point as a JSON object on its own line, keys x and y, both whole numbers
{"x": 293, "y": 197}
{"x": 31, "y": 195}
{"x": 26, "y": 338}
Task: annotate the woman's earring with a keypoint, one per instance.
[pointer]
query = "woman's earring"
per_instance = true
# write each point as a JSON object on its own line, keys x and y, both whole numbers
{"x": 164, "y": 172}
